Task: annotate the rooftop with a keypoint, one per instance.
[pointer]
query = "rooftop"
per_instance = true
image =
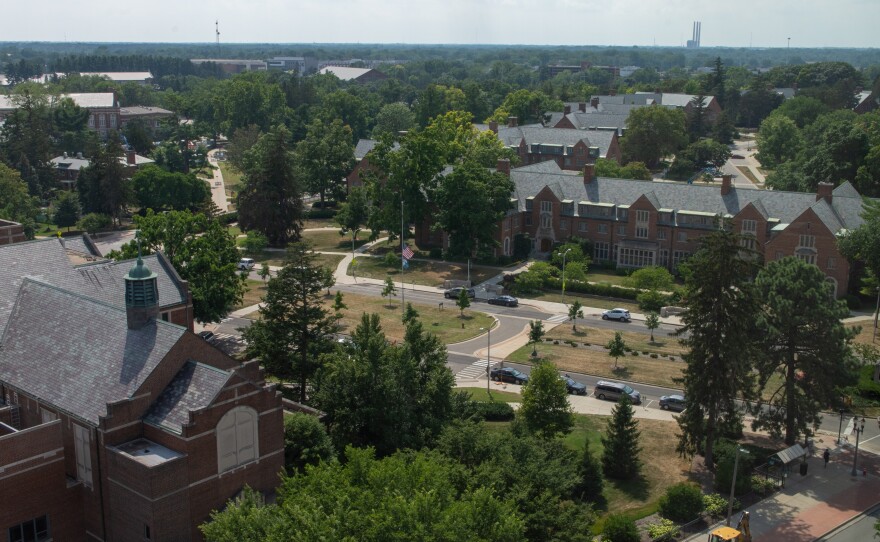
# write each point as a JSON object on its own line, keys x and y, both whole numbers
{"x": 147, "y": 453}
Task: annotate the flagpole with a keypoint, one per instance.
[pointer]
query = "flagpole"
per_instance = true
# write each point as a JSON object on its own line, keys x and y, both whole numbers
{"x": 402, "y": 264}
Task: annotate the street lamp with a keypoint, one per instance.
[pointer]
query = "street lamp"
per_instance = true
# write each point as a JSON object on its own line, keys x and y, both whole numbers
{"x": 733, "y": 483}
{"x": 564, "y": 254}
{"x": 859, "y": 429}
{"x": 840, "y": 426}
{"x": 488, "y": 355}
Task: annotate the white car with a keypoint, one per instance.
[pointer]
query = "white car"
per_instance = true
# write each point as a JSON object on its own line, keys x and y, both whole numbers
{"x": 245, "y": 264}
{"x": 616, "y": 314}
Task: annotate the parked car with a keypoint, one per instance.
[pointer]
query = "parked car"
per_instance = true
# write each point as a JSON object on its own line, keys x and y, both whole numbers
{"x": 613, "y": 391}
{"x": 506, "y": 300}
{"x": 574, "y": 387}
{"x": 453, "y": 293}
{"x": 616, "y": 314}
{"x": 246, "y": 264}
{"x": 208, "y": 336}
{"x": 509, "y": 374}
{"x": 673, "y": 402}
{"x": 737, "y": 156}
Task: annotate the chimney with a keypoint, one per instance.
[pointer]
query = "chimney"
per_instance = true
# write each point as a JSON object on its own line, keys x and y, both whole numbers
{"x": 725, "y": 184}
{"x": 567, "y": 109}
{"x": 594, "y": 102}
{"x": 493, "y": 125}
{"x": 65, "y": 154}
{"x": 589, "y": 173}
{"x": 512, "y": 122}
{"x": 129, "y": 157}
{"x": 503, "y": 166}
{"x": 613, "y": 92}
{"x": 582, "y": 107}
{"x": 79, "y": 156}
{"x": 824, "y": 192}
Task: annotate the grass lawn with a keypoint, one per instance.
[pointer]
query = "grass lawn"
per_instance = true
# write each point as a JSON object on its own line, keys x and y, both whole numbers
{"x": 254, "y": 293}
{"x": 480, "y": 394}
{"x": 748, "y": 173}
{"x": 589, "y": 360}
{"x": 45, "y": 229}
{"x": 275, "y": 258}
{"x": 446, "y": 323}
{"x": 423, "y": 272}
{"x": 330, "y": 241}
{"x": 231, "y": 177}
{"x": 603, "y": 276}
{"x": 380, "y": 249}
{"x": 586, "y": 300}
{"x": 234, "y": 231}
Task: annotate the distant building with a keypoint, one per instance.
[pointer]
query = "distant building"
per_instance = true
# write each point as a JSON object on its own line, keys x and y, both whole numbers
{"x": 866, "y": 101}
{"x": 102, "y": 106}
{"x": 150, "y": 116}
{"x": 298, "y": 64}
{"x": 69, "y": 167}
{"x": 232, "y": 65}
{"x": 694, "y": 42}
{"x": 141, "y": 78}
{"x": 358, "y": 75}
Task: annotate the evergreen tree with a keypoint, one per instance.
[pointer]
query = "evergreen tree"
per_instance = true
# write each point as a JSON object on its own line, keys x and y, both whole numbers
{"x": 104, "y": 185}
{"x": 591, "y": 482}
{"x": 696, "y": 119}
{"x": 295, "y": 328}
{"x": 67, "y": 210}
{"x": 270, "y": 200}
{"x": 16, "y": 204}
{"x": 26, "y": 140}
{"x": 804, "y": 340}
{"x": 545, "y": 410}
{"x": 409, "y": 314}
{"x": 620, "y": 454}
{"x": 719, "y": 319}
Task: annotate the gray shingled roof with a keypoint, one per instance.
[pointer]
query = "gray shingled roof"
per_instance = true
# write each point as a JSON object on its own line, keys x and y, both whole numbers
{"x": 537, "y": 133}
{"x": 46, "y": 260}
{"x": 78, "y": 354}
{"x": 786, "y": 206}
{"x": 194, "y": 388}
{"x": 366, "y": 145}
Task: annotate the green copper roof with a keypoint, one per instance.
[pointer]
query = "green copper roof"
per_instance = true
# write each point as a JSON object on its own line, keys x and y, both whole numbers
{"x": 140, "y": 271}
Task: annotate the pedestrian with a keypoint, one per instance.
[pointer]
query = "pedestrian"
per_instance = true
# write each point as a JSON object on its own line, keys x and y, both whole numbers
{"x": 826, "y": 456}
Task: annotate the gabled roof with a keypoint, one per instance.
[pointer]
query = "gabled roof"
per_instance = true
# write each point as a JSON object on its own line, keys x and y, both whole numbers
{"x": 78, "y": 368}
{"x": 193, "y": 388}
{"x": 346, "y": 73}
{"x": 538, "y": 134}
{"x": 366, "y": 145}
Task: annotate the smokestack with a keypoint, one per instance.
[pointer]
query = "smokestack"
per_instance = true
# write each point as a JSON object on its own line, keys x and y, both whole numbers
{"x": 824, "y": 192}
{"x": 699, "y": 32}
{"x": 694, "y": 32}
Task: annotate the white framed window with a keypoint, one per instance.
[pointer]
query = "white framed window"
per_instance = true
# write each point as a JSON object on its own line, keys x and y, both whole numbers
{"x": 83, "y": 449}
{"x": 631, "y": 257}
{"x": 679, "y": 256}
{"x": 642, "y": 224}
{"x": 582, "y": 227}
{"x": 622, "y": 214}
{"x": 621, "y": 230}
{"x": 237, "y": 438}
{"x": 661, "y": 235}
{"x": 546, "y": 221}
{"x": 91, "y": 121}
{"x": 682, "y": 237}
{"x": 600, "y": 251}
{"x": 603, "y": 229}
{"x": 32, "y": 530}
{"x": 750, "y": 226}
{"x": 832, "y": 263}
{"x": 747, "y": 241}
{"x": 102, "y": 120}
{"x": 642, "y": 216}
{"x": 546, "y": 206}
{"x": 112, "y": 120}
{"x": 808, "y": 258}
{"x": 507, "y": 246}
{"x": 664, "y": 258}
{"x": 807, "y": 241}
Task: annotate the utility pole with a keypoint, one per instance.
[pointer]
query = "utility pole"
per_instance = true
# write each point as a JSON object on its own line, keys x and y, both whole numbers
{"x": 217, "y": 32}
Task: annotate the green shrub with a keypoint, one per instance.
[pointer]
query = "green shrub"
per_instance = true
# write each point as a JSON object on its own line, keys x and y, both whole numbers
{"x": 716, "y": 505}
{"x": 494, "y": 411}
{"x": 867, "y": 387}
{"x": 306, "y": 441}
{"x": 602, "y": 290}
{"x": 320, "y": 213}
{"x": 651, "y": 300}
{"x": 682, "y": 502}
{"x": 556, "y": 341}
{"x": 664, "y": 531}
{"x": 654, "y": 356}
{"x": 228, "y": 218}
{"x": 763, "y": 486}
{"x": 853, "y": 302}
{"x": 95, "y": 222}
{"x": 725, "y": 458}
{"x": 435, "y": 253}
{"x": 391, "y": 259}
{"x": 634, "y": 353}
{"x": 619, "y": 528}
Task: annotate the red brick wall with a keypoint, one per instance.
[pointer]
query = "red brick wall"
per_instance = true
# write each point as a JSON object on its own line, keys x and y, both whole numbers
{"x": 11, "y": 232}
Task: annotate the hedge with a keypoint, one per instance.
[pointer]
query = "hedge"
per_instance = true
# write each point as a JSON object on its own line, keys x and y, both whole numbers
{"x": 495, "y": 411}
{"x": 603, "y": 290}
{"x": 320, "y": 213}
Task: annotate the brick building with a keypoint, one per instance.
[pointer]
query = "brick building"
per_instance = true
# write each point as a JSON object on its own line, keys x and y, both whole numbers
{"x": 11, "y": 232}
{"x": 151, "y": 117}
{"x": 102, "y": 106}
{"x": 641, "y": 223}
{"x": 68, "y": 166}
{"x": 116, "y": 421}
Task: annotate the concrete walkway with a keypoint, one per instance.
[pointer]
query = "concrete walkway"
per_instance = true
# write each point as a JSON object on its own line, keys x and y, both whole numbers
{"x": 218, "y": 187}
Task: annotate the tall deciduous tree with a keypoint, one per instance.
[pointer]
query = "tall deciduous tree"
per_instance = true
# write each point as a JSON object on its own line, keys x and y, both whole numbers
{"x": 270, "y": 200}
{"x": 652, "y": 133}
{"x": 160, "y": 190}
{"x": 616, "y": 347}
{"x": 575, "y": 311}
{"x": 386, "y": 395}
{"x": 803, "y": 340}
{"x": 463, "y": 301}
{"x": 620, "y": 454}
{"x": 721, "y": 308}
{"x": 16, "y": 204}
{"x": 295, "y": 327}
{"x": 354, "y": 213}
{"x": 394, "y": 118}
{"x": 325, "y": 157}
{"x": 779, "y": 140}
{"x": 25, "y": 140}
{"x": 545, "y": 410}
{"x": 536, "y": 333}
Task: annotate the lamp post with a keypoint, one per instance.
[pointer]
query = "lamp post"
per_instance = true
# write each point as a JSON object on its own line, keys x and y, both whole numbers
{"x": 488, "y": 355}
{"x": 840, "y": 426}
{"x": 564, "y": 254}
{"x": 859, "y": 429}
{"x": 733, "y": 483}
{"x": 876, "y": 314}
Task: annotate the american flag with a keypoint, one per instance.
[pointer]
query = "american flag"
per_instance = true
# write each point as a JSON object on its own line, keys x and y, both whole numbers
{"x": 407, "y": 252}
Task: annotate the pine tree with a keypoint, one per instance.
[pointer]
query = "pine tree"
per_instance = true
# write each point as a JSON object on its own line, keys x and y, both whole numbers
{"x": 620, "y": 457}
{"x": 66, "y": 210}
{"x": 592, "y": 482}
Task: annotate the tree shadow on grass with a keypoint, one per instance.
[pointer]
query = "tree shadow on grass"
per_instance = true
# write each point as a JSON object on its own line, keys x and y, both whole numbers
{"x": 636, "y": 488}
{"x": 621, "y": 372}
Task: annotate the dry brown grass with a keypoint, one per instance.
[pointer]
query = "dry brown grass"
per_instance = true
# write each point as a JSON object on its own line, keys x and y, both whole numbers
{"x": 330, "y": 241}
{"x": 423, "y": 272}
{"x": 866, "y": 335}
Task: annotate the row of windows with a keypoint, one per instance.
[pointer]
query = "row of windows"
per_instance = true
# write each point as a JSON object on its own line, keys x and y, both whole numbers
{"x": 33, "y": 530}
{"x": 631, "y": 257}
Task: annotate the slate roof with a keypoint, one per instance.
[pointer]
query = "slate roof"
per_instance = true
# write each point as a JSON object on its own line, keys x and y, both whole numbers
{"x": 843, "y": 213}
{"x": 70, "y": 163}
{"x": 538, "y": 134}
{"x": 74, "y": 367}
{"x": 46, "y": 260}
{"x": 366, "y": 145}
{"x": 194, "y": 387}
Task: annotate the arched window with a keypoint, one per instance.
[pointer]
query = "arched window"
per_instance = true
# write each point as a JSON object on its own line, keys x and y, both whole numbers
{"x": 237, "y": 438}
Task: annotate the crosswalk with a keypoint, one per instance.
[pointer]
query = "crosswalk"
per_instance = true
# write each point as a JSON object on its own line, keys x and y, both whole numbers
{"x": 475, "y": 370}
{"x": 559, "y": 318}
{"x": 223, "y": 337}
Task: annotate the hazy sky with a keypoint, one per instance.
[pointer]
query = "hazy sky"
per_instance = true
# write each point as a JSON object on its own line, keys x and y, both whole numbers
{"x": 736, "y": 23}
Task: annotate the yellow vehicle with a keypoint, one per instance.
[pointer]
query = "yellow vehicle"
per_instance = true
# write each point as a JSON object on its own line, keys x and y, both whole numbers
{"x": 729, "y": 534}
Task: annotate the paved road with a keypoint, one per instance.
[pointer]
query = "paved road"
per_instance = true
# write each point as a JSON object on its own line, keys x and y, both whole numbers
{"x": 860, "y": 529}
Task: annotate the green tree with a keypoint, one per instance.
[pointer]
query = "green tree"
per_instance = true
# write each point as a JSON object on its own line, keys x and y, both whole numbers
{"x": 264, "y": 272}
{"x": 354, "y": 213}
{"x": 620, "y": 454}
{"x": 325, "y": 157}
{"x": 619, "y": 528}
{"x": 242, "y": 141}
{"x": 536, "y": 333}
{"x": 652, "y": 322}
{"x": 245, "y": 99}
{"x": 94, "y": 222}
{"x": 706, "y": 151}
{"x": 696, "y": 117}
{"x": 544, "y": 410}
{"x": 391, "y": 396}
{"x": 67, "y": 210}
{"x": 463, "y": 301}
{"x": 804, "y": 340}
{"x": 779, "y": 140}
{"x": 394, "y": 118}
{"x": 254, "y": 243}
{"x": 295, "y": 327}
{"x": 160, "y": 190}
{"x": 803, "y": 110}
{"x": 270, "y": 199}
{"x": 527, "y": 105}
{"x": 389, "y": 289}
{"x": 306, "y": 442}
{"x": 575, "y": 311}
{"x": 863, "y": 243}
{"x": 616, "y": 347}
{"x": 203, "y": 253}
{"x": 26, "y": 140}
{"x": 721, "y": 309}
{"x": 137, "y": 134}
{"x": 724, "y": 131}
{"x": 409, "y": 314}
{"x": 652, "y": 133}
{"x": 651, "y": 278}
{"x": 683, "y": 502}
{"x": 16, "y": 204}
{"x": 104, "y": 185}
{"x": 591, "y": 482}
